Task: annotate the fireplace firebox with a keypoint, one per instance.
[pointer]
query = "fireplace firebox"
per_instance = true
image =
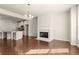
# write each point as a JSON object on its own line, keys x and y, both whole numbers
{"x": 44, "y": 34}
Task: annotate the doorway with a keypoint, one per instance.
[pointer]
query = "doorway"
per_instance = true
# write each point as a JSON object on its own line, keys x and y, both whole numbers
{"x": 27, "y": 30}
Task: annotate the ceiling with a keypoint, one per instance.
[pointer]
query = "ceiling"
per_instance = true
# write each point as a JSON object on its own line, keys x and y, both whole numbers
{"x": 36, "y": 9}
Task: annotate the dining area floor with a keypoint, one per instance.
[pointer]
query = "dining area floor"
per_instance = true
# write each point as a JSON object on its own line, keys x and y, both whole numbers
{"x": 31, "y": 46}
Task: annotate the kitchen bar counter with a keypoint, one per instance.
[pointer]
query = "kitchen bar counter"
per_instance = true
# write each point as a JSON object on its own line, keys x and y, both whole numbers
{"x": 11, "y": 34}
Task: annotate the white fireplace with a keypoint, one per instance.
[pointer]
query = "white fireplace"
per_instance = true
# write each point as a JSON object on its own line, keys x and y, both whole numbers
{"x": 45, "y": 25}
{"x": 44, "y": 34}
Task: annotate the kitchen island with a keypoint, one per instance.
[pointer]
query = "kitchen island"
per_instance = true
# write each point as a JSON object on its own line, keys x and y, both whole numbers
{"x": 11, "y": 35}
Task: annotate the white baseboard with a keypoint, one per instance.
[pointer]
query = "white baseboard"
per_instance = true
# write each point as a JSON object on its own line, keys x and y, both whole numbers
{"x": 62, "y": 40}
{"x": 68, "y": 41}
{"x": 73, "y": 44}
{"x": 44, "y": 39}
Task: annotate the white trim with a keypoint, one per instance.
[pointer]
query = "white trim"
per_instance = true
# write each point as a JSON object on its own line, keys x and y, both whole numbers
{"x": 62, "y": 40}
{"x": 44, "y": 39}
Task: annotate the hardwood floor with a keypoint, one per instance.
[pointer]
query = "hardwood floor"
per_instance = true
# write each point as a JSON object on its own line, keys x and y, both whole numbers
{"x": 31, "y": 46}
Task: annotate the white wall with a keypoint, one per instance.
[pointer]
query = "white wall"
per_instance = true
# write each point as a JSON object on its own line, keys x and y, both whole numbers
{"x": 33, "y": 27}
{"x": 77, "y": 26}
{"x": 73, "y": 25}
{"x": 7, "y": 23}
{"x": 57, "y": 25}
{"x": 74, "y": 13}
{"x": 60, "y": 28}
